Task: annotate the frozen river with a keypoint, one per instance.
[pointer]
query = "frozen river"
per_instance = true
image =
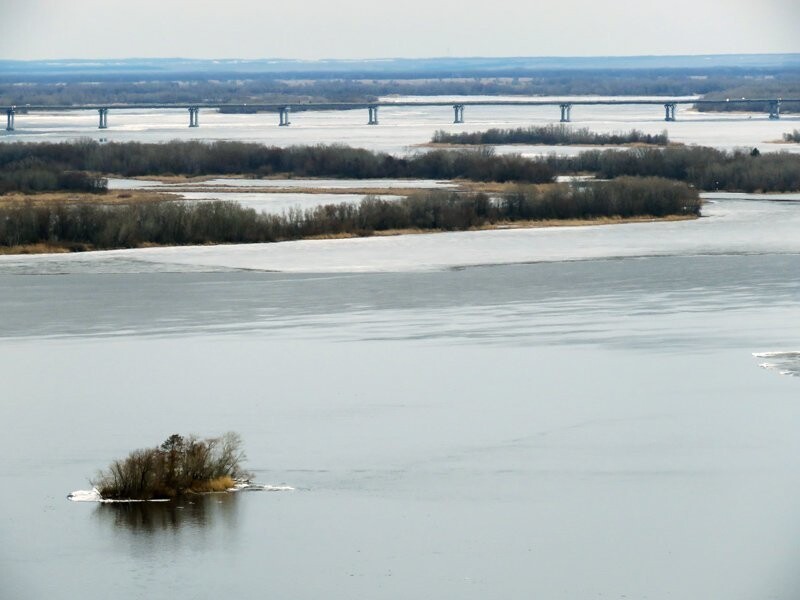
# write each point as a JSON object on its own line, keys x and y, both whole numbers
{"x": 564, "y": 414}
{"x": 403, "y": 128}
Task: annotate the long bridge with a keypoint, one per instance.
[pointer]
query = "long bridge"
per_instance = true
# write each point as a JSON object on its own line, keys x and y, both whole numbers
{"x": 283, "y": 110}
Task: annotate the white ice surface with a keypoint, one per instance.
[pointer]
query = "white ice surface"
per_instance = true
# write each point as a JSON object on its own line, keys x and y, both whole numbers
{"x": 403, "y": 129}
{"x": 727, "y": 227}
{"x": 94, "y": 496}
{"x": 278, "y": 203}
{"x": 784, "y": 362}
{"x": 306, "y": 183}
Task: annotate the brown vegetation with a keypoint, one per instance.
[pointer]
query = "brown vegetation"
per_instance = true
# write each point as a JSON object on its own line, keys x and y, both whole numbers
{"x": 179, "y": 466}
{"x": 550, "y": 135}
{"x": 136, "y": 224}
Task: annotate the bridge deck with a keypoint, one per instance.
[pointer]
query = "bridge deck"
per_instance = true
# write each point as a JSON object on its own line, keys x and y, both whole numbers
{"x": 363, "y": 105}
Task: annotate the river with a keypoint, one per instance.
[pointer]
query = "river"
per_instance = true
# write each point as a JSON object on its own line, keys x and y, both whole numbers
{"x": 403, "y": 129}
{"x": 566, "y": 413}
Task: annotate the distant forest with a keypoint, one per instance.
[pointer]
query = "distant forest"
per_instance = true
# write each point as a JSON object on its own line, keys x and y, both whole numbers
{"x": 788, "y": 87}
{"x": 30, "y": 167}
{"x": 275, "y": 88}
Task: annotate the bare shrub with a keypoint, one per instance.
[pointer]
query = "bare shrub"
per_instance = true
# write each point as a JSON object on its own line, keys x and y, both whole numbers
{"x": 178, "y": 466}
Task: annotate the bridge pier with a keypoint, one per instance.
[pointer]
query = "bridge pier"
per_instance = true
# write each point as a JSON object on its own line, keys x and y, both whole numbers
{"x": 775, "y": 110}
{"x": 103, "y": 112}
{"x": 283, "y": 116}
{"x": 194, "y": 113}
{"x": 566, "y": 109}
{"x": 669, "y": 111}
{"x": 373, "y": 115}
{"x": 458, "y": 110}
{"x": 10, "y": 119}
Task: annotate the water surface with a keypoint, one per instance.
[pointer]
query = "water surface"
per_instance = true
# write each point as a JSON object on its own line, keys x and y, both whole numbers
{"x": 579, "y": 429}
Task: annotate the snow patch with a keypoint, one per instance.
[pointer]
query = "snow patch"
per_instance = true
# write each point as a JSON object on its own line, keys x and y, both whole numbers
{"x": 93, "y": 495}
{"x": 784, "y": 362}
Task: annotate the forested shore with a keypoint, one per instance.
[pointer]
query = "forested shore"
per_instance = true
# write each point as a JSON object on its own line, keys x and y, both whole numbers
{"x": 36, "y": 167}
{"x": 28, "y": 166}
{"x": 90, "y": 226}
{"x": 704, "y": 168}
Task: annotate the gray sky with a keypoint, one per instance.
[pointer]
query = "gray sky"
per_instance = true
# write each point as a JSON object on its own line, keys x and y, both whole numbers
{"x": 309, "y": 29}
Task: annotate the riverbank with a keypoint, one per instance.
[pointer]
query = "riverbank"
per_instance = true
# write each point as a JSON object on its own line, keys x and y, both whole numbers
{"x": 66, "y": 224}
{"x": 68, "y": 248}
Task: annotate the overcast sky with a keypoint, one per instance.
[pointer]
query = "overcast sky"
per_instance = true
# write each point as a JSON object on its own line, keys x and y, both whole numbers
{"x": 309, "y": 29}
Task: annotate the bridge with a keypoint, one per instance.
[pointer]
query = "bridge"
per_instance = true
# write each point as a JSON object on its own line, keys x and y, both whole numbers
{"x": 283, "y": 110}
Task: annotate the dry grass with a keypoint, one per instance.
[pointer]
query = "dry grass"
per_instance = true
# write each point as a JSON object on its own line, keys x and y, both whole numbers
{"x": 584, "y": 222}
{"x": 493, "y": 187}
{"x": 109, "y": 198}
{"x": 511, "y": 225}
{"x": 220, "y": 484}
{"x": 36, "y": 249}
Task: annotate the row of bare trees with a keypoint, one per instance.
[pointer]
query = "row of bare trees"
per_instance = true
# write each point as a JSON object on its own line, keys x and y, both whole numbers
{"x": 550, "y": 135}
{"x": 226, "y": 157}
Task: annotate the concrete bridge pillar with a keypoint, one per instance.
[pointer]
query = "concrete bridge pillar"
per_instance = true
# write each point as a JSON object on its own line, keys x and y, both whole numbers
{"x": 194, "y": 116}
{"x": 566, "y": 109}
{"x": 103, "y": 112}
{"x": 373, "y": 115}
{"x": 458, "y": 110}
{"x": 283, "y": 116}
{"x": 669, "y": 111}
{"x": 10, "y": 119}
{"x": 775, "y": 109}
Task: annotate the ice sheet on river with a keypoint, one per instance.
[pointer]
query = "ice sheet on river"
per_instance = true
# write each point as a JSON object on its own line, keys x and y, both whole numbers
{"x": 727, "y": 227}
{"x": 93, "y": 495}
{"x": 785, "y": 363}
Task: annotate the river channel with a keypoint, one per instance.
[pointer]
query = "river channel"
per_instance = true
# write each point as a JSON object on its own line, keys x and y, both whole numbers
{"x": 599, "y": 412}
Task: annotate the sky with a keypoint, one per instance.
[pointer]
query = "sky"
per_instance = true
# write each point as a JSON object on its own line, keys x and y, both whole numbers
{"x": 315, "y": 29}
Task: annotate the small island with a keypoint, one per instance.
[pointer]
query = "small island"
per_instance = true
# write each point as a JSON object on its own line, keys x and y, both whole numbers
{"x": 178, "y": 467}
{"x": 550, "y": 135}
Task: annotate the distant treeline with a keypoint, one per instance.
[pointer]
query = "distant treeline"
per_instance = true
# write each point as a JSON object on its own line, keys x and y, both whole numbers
{"x": 551, "y": 135}
{"x": 89, "y": 226}
{"x": 794, "y": 136}
{"x": 219, "y": 158}
{"x": 35, "y": 175}
{"x": 770, "y": 89}
{"x": 269, "y": 88}
{"x": 704, "y": 168}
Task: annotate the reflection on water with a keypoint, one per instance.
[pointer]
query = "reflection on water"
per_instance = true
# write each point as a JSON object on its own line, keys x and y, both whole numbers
{"x": 195, "y": 512}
